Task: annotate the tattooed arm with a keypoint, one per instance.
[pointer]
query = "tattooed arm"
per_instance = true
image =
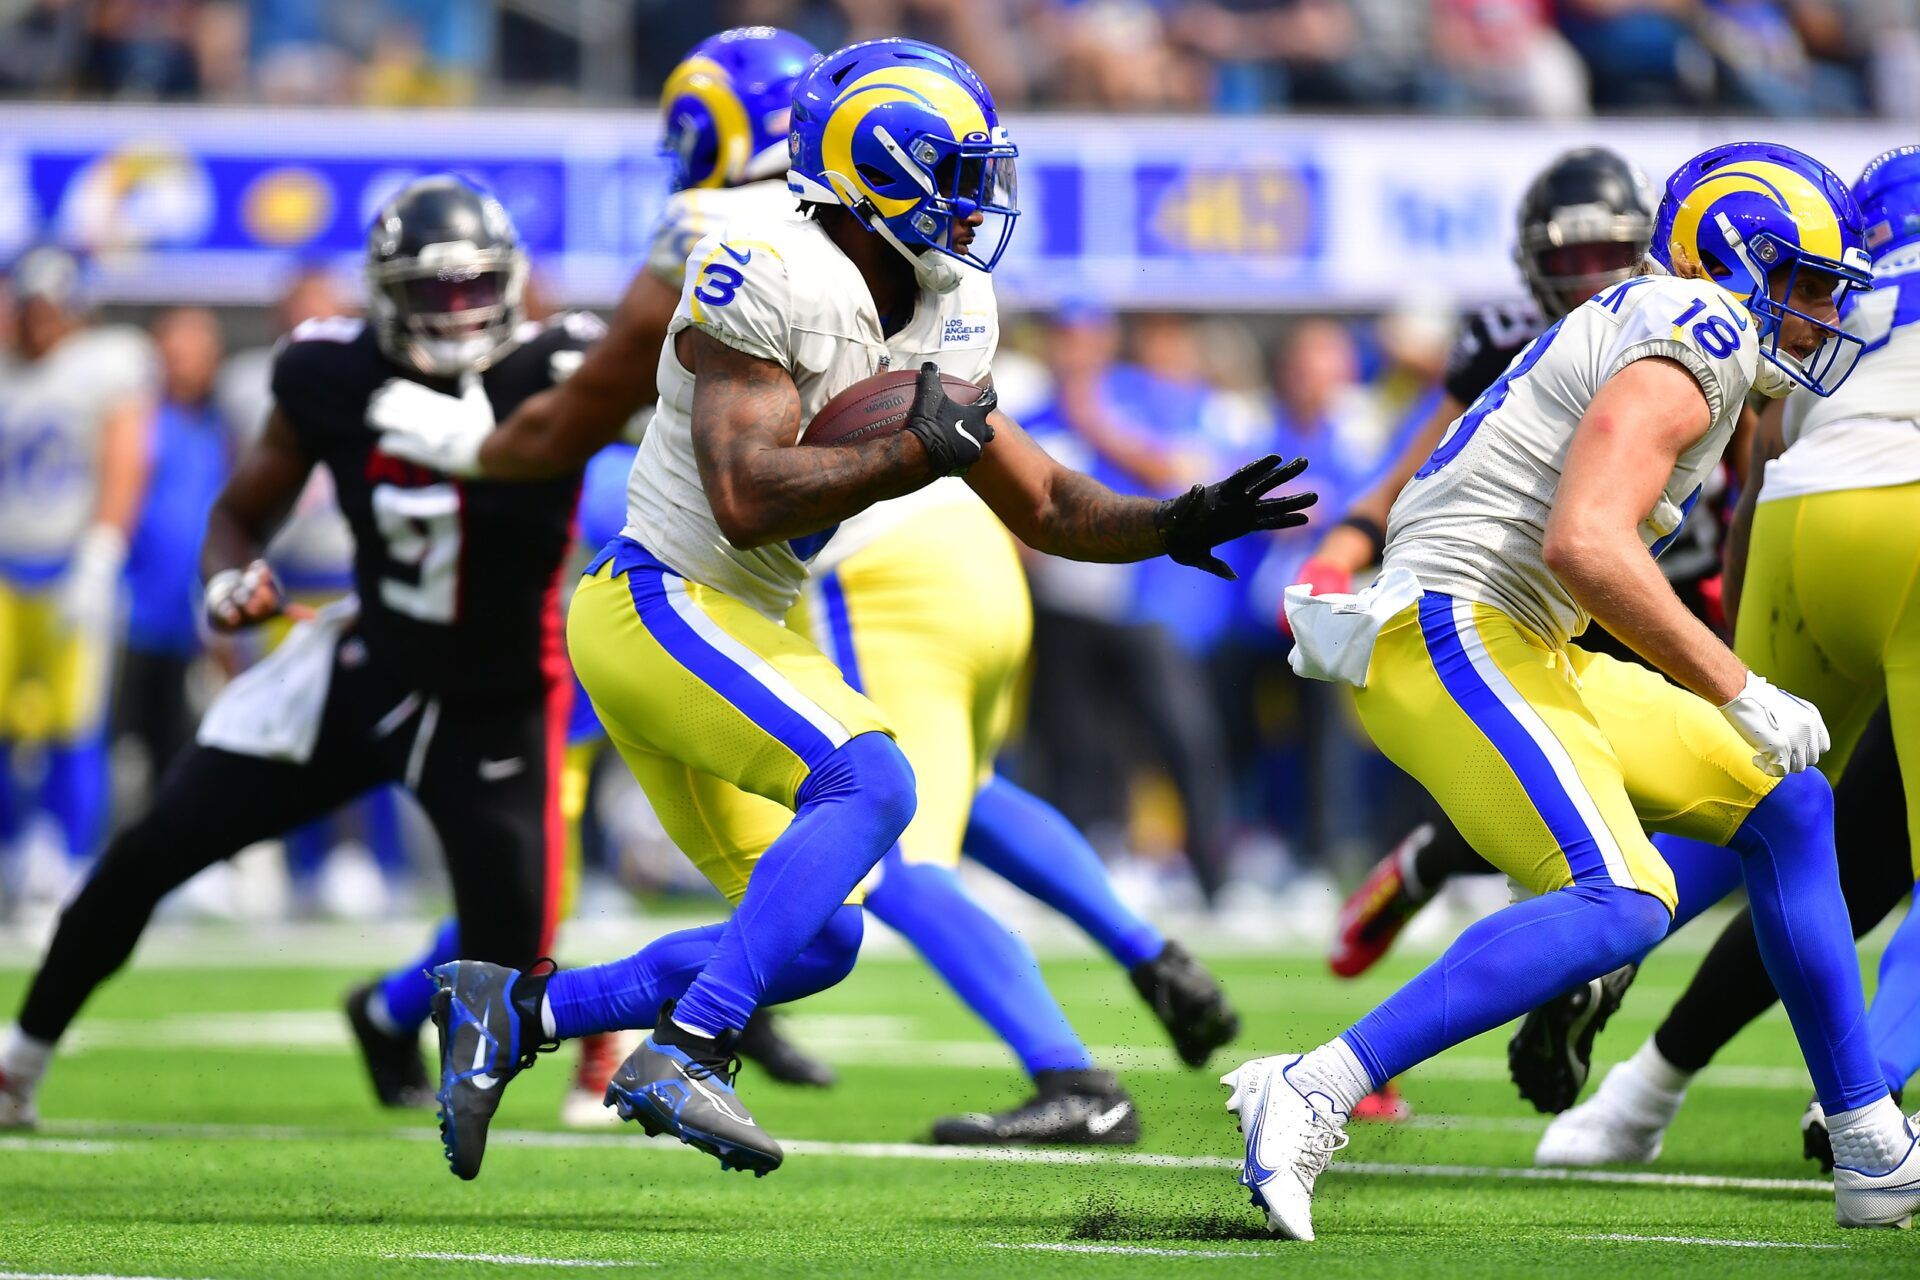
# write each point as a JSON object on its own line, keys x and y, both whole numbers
{"x": 764, "y": 489}
{"x": 1057, "y": 510}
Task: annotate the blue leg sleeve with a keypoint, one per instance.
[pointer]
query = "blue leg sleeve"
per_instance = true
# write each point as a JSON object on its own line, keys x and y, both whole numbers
{"x": 627, "y": 994}
{"x": 306, "y": 850}
{"x": 1800, "y": 921}
{"x": 76, "y": 794}
{"x": 12, "y": 807}
{"x": 852, "y": 807}
{"x": 408, "y": 990}
{"x": 380, "y": 809}
{"x": 1704, "y": 874}
{"x": 989, "y": 968}
{"x": 1503, "y": 966}
{"x": 1031, "y": 845}
{"x": 1894, "y": 1016}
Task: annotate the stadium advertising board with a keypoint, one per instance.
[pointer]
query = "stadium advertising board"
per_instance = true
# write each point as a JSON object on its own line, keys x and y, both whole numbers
{"x": 1167, "y": 213}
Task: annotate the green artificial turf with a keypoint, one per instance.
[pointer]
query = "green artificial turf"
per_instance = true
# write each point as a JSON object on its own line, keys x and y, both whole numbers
{"x": 210, "y": 1122}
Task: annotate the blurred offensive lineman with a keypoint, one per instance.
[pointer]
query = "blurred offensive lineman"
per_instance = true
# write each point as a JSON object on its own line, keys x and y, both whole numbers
{"x": 1826, "y": 607}
{"x": 677, "y": 631}
{"x": 447, "y": 677}
{"x": 1536, "y": 513}
{"x": 76, "y": 409}
{"x": 922, "y": 605}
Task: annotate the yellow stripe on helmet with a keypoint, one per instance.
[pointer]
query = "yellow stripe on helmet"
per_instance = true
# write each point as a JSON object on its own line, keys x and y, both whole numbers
{"x": 943, "y": 96}
{"x": 707, "y": 82}
{"x": 1812, "y": 214}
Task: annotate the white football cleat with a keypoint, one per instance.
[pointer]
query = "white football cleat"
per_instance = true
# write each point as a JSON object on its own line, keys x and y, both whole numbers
{"x": 1290, "y": 1138}
{"x": 1624, "y": 1122}
{"x": 1879, "y": 1199}
{"x": 17, "y": 1110}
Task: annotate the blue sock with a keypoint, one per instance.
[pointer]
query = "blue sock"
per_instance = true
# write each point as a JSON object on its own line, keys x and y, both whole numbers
{"x": 1031, "y": 845}
{"x": 12, "y": 808}
{"x": 306, "y": 849}
{"x": 984, "y": 963}
{"x": 1511, "y": 962}
{"x": 852, "y": 807}
{"x": 1894, "y": 1016}
{"x": 626, "y": 995}
{"x": 75, "y": 793}
{"x": 408, "y": 990}
{"x": 1806, "y": 938}
{"x": 1703, "y": 873}
{"x": 380, "y": 812}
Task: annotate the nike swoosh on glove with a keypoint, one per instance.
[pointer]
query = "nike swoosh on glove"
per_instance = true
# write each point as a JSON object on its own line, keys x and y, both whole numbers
{"x": 954, "y": 434}
{"x": 1205, "y": 516}
{"x": 431, "y": 428}
{"x": 1786, "y": 732}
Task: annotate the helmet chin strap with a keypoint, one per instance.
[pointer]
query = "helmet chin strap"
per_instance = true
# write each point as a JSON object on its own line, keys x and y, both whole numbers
{"x": 934, "y": 270}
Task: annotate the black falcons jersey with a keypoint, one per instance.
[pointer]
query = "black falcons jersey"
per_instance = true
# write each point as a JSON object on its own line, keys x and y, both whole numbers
{"x": 1487, "y": 344}
{"x": 457, "y": 579}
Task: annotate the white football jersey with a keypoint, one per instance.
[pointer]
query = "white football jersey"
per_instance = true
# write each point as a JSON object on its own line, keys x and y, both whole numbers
{"x": 1866, "y": 435}
{"x": 1472, "y": 521}
{"x": 697, "y": 212}
{"x": 781, "y": 290}
{"x": 51, "y": 411}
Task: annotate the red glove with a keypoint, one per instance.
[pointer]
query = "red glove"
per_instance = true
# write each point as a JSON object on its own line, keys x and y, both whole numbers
{"x": 1324, "y": 577}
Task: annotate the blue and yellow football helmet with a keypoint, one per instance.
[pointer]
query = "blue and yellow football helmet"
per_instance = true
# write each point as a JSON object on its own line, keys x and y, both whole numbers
{"x": 1742, "y": 214}
{"x": 1888, "y": 194}
{"x": 726, "y": 106}
{"x": 905, "y": 136}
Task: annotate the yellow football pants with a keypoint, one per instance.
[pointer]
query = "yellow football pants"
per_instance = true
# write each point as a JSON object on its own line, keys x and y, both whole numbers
{"x": 933, "y": 622}
{"x": 53, "y": 680}
{"x": 1827, "y": 612}
{"x": 1553, "y": 763}
{"x": 720, "y": 713}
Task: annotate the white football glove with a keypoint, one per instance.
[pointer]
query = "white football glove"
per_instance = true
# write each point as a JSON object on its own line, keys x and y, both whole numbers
{"x": 438, "y": 431}
{"x": 90, "y": 593}
{"x": 238, "y": 598}
{"x": 1786, "y": 731}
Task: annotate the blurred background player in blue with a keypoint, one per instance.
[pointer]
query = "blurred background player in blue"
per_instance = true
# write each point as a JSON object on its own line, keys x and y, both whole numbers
{"x": 76, "y": 405}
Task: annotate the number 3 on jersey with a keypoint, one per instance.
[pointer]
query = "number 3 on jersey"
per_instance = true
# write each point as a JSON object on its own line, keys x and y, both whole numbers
{"x": 421, "y": 528}
{"x": 719, "y": 282}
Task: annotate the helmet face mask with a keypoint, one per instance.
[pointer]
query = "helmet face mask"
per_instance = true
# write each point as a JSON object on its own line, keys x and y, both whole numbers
{"x": 446, "y": 278}
{"x": 905, "y": 137}
{"x": 1754, "y": 218}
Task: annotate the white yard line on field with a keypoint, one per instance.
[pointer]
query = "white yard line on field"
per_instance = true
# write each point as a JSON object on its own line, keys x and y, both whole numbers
{"x": 71, "y": 1275}
{"x": 519, "y": 1260}
{"x": 58, "y": 1146}
{"x": 1134, "y": 1250}
{"x": 1713, "y": 1240}
{"x": 544, "y": 1139}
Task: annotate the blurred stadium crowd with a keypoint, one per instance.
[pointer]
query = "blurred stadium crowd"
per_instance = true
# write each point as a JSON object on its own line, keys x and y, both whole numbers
{"x": 1553, "y": 58}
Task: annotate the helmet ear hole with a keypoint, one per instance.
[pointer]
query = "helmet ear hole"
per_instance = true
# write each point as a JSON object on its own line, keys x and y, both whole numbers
{"x": 875, "y": 177}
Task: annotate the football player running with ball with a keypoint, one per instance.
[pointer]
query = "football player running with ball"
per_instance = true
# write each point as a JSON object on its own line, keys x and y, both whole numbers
{"x": 442, "y": 672}
{"x": 677, "y": 632}
{"x": 1536, "y": 514}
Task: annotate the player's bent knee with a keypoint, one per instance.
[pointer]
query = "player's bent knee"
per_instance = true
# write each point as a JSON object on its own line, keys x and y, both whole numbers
{"x": 872, "y": 767}
{"x": 1636, "y": 921}
{"x": 1796, "y": 815}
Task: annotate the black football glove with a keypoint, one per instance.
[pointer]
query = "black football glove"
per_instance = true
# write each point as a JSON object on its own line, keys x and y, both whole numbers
{"x": 954, "y": 434}
{"x": 1205, "y": 516}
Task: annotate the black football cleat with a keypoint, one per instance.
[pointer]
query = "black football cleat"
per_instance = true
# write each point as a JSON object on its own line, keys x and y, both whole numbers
{"x": 681, "y": 1084}
{"x": 394, "y": 1063}
{"x": 1551, "y": 1053}
{"x": 1188, "y": 1001}
{"x": 488, "y": 1017}
{"x": 1086, "y": 1106}
{"x": 762, "y": 1044}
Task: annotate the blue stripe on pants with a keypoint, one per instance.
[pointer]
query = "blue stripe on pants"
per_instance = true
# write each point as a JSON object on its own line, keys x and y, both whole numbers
{"x": 833, "y": 602}
{"x": 721, "y": 673}
{"x": 1511, "y": 739}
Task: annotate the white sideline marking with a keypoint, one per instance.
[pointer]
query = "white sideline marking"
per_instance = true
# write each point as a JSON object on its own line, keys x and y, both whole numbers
{"x": 1136, "y": 1250}
{"x": 71, "y": 1275}
{"x": 59, "y": 1146}
{"x": 546, "y": 1139}
{"x": 1730, "y": 1244}
{"x": 515, "y": 1260}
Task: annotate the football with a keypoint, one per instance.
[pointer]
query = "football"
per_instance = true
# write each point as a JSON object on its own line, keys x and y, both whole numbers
{"x": 876, "y": 406}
